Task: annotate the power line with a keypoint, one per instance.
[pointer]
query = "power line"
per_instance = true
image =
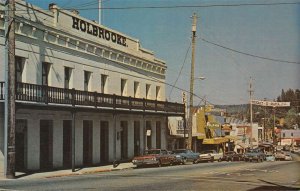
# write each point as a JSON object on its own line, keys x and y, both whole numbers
{"x": 180, "y": 69}
{"x": 248, "y": 54}
{"x": 196, "y": 6}
{"x": 188, "y": 6}
{"x": 86, "y": 4}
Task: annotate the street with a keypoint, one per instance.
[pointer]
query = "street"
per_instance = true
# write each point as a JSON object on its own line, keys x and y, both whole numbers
{"x": 279, "y": 175}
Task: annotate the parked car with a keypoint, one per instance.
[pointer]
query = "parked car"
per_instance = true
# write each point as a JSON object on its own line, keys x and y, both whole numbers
{"x": 279, "y": 155}
{"x": 156, "y": 157}
{"x": 210, "y": 156}
{"x": 254, "y": 155}
{"x": 288, "y": 157}
{"x": 295, "y": 150}
{"x": 286, "y": 148}
{"x": 178, "y": 159}
{"x": 187, "y": 155}
{"x": 233, "y": 156}
{"x": 270, "y": 157}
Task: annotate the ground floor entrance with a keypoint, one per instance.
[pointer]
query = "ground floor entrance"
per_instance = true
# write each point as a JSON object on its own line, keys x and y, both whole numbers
{"x": 104, "y": 142}
{"x": 67, "y": 143}
{"x": 46, "y": 144}
{"x": 21, "y": 144}
{"x": 44, "y": 139}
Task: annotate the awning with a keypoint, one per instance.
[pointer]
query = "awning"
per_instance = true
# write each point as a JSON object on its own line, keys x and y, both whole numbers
{"x": 232, "y": 137}
{"x": 214, "y": 141}
{"x": 226, "y": 129}
{"x": 243, "y": 145}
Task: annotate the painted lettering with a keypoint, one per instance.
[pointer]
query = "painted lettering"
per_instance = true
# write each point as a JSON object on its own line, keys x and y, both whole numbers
{"x": 82, "y": 26}
{"x": 97, "y": 31}
{"x": 75, "y": 23}
{"x": 89, "y": 30}
{"x": 107, "y": 35}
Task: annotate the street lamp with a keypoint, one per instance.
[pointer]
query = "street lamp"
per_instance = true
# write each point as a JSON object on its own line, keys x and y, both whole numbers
{"x": 200, "y": 78}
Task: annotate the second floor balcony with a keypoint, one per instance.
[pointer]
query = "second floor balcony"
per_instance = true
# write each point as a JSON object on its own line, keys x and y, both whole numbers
{"x": 47, "y": 95}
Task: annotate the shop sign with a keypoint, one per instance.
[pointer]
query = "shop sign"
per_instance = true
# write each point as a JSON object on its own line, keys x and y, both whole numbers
{"x": 97, "y": 31}
{"x": 271, "y": 103}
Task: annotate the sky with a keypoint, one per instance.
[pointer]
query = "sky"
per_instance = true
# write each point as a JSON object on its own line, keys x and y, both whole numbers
{"x": 270, "y": 31}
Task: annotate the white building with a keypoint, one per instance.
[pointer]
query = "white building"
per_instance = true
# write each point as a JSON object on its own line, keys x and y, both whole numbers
{"x": 73, "y": 73}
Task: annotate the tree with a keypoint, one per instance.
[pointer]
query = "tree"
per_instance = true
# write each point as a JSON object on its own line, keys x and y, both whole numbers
{"x": 292, "y": 118}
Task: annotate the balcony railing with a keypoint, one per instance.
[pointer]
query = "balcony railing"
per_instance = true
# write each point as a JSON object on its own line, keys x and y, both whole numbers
{"x": 48, "y": 94}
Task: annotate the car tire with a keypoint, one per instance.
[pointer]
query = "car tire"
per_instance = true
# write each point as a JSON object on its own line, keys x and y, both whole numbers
{"x": 219, "y": 160}
{"x": 159, "y": 164}
{"x": 139, "y": 166}
{"x": 184, "y": 161}
{"x": 195, "y": 161}
{"x": 212, "y": 159}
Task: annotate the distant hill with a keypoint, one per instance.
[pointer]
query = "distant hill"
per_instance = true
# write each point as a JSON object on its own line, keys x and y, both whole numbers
{"x": 231, "y": 109}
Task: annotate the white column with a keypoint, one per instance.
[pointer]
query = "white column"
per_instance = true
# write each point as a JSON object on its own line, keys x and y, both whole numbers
{"x": 153, "y": 133}
{"x": 57, "y": 143}
{"x": 78, "y": 142}
{"x": 130, "y": 138}
{"x": 96, "y": 141}
{"x": 33, "y": 143}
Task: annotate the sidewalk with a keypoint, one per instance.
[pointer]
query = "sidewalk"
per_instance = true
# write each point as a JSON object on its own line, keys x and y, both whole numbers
{"x": 68, "y": 172}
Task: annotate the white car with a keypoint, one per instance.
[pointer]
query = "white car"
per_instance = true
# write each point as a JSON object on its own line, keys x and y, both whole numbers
{"x": 288, "y": 157}
{"x": 210, "y": 155}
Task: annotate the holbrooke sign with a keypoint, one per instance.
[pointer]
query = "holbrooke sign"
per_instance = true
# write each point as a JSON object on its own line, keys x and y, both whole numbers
{"x": 271, "y": 103}
{"x": 98, "y": 31}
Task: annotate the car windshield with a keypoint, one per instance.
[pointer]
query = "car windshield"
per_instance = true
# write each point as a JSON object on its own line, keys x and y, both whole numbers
{"x": 152, "y": 152}
{"x": 206, "y": 152}
{"x": 179, "y": 151}
{"x": 253, "y": 150}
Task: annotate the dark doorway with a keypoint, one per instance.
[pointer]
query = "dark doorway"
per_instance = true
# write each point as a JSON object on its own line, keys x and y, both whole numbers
{"x": 148, "y": 134}
{"x": 46, "y": 144}
{"x": 124, "y": 139}
{"x": 158, "y": 135}
{"x": 104, "y": 141}
{"x": 136, "y": 138}
{"x": 67, "y": 143}
{"x": 21, "y": 145}
{"x": 87, "y": 142}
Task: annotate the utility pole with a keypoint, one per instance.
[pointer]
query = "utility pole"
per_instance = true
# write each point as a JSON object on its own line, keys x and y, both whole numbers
{"x": 100, "y": 11}
{"x": 274, "y": 124}
{"x": 184, "y": 118}
{"x": 251, "y": 115}
{"x": 10, "y": 90}
{"x": 194, "y": 27}
{"x": 265, "y": 107}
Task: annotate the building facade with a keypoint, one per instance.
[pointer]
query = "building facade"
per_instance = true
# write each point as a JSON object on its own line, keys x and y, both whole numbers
{"x": 290, "y": 137}
{"x": 84, "y": 92}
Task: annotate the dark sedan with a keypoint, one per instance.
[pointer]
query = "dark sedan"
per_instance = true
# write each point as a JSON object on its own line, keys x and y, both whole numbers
{"x": 232, "y": 156}
{"x": 187, "y": 155}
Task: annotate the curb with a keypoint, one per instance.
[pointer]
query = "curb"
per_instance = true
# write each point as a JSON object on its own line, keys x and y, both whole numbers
{"x": 77, "y": 173}
{"x": 86, "y": 172}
